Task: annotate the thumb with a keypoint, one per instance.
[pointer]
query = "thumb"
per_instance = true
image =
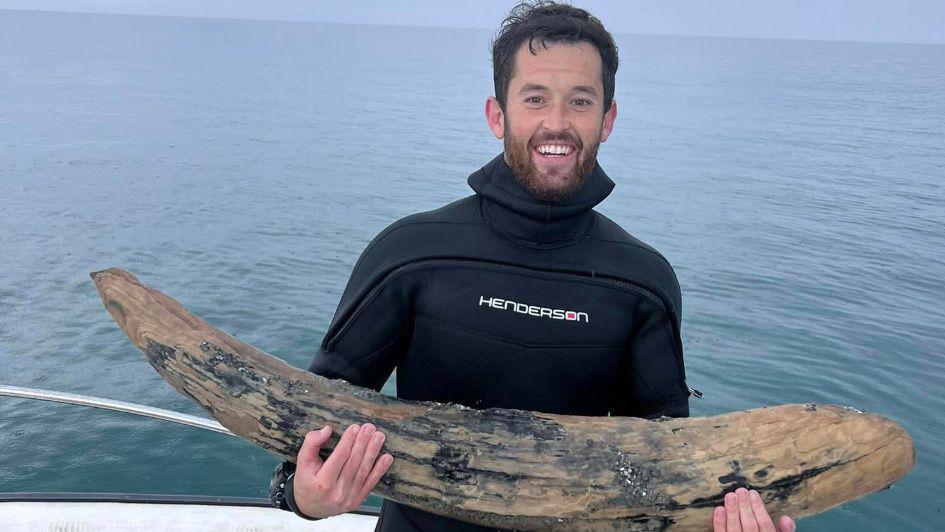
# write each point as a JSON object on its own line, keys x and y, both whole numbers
{"x": 308, "y": 455}
{"x": 786, "y": 524}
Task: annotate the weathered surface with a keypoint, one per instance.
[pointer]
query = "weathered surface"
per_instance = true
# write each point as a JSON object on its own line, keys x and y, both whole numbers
{"x": 518, "y": 469}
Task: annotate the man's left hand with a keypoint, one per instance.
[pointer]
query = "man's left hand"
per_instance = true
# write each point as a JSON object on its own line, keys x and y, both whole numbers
{"x": 744, "y": 511}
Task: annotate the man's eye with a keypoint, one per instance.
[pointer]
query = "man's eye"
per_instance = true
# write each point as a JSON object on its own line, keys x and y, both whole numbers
{"x": 581, "y": 102}
{"x": 534, "y": 99}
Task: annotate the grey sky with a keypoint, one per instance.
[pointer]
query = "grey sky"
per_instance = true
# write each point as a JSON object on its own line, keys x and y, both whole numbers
{"x": 921, "y": 21}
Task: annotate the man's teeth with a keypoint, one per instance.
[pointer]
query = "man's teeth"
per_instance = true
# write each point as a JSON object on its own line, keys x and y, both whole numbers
{"x": 554, "y": 149}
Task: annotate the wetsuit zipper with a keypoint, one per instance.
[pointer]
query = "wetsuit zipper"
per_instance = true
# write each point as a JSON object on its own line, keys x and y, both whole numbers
{"x": 609, "y": 279}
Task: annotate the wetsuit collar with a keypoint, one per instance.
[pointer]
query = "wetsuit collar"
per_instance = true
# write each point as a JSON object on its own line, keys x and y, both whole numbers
{"x": 515, "y": 213}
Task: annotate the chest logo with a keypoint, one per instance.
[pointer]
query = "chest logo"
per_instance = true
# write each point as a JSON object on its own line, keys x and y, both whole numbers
{"x": 532, "y": 310}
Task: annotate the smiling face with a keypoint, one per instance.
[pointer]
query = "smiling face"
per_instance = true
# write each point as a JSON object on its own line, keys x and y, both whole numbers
{"x": 554, "y": 120}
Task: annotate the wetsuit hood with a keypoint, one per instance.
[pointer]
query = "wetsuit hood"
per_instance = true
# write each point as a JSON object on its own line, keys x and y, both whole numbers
{"x": 514, "y": 212}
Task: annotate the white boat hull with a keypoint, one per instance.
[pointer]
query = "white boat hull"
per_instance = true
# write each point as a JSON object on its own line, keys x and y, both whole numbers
{"x": 151, "y": 517}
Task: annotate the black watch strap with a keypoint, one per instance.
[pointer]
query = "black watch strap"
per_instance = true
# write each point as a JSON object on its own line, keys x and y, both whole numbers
{"x": 290, "y": 498}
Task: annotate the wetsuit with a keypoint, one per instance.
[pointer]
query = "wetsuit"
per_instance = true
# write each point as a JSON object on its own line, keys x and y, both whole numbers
{"x": 498, "y": 300}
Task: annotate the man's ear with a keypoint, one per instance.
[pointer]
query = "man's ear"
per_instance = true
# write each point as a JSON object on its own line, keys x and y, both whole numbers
{"x": 495, "y": 117}
{"x": 609, "y": 117}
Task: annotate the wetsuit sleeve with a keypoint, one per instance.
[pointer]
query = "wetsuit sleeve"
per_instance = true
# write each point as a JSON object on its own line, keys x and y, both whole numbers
{"x": 365, "y": 345}
{"x": 370, "y": 330}
{"x": 650, "y": 380}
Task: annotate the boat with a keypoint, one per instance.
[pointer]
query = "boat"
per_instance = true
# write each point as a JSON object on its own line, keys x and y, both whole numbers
{"x": 119, "y": 512}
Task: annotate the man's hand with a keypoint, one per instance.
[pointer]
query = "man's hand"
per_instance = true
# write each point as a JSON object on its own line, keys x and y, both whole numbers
{"x": 342, "y": 482}
{"x": 744, "y": 511}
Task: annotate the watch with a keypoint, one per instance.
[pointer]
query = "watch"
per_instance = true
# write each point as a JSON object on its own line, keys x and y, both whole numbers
{"x": 278, "y": 483}
{"x": 280, "y": 490}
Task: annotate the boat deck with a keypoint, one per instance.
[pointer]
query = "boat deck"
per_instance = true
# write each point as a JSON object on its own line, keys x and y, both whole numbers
{"x": 107, "y": 512}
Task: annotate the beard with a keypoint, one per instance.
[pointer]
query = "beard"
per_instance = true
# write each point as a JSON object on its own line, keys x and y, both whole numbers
{"x": 556, "y": 185}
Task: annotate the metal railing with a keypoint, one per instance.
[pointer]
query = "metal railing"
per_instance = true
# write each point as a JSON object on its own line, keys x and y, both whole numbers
{"x": 118, "y": 406}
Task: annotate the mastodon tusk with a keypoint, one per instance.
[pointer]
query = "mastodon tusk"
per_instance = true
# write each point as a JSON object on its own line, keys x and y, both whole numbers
{"x": 519, "y": 469}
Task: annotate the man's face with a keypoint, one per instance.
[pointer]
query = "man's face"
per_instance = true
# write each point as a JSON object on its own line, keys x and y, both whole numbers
{"x": 554, "y": 118}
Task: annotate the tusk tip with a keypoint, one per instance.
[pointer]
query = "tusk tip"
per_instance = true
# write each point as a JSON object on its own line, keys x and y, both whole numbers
{"x": 118, "y": 272}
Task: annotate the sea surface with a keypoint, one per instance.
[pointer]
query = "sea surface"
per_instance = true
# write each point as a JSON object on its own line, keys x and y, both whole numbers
{"x": 241, "y": 167}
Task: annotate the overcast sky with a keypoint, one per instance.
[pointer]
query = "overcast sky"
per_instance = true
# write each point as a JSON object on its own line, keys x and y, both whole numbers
{"x": 921, "y": 21}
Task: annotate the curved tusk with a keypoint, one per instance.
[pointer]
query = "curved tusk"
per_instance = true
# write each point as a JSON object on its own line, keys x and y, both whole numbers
{"x": 518, "y": 469}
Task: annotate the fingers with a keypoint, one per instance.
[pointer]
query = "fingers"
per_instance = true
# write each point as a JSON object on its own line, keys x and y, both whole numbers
{"x": 308, "y": 454}
{"x": 744, "y": 511}
{"x": 732, "y": 521}
{"x": 347, "y": 476}
{"x": 362, "y": 469}
{"x": 765, "y": 524}
{"x": 718, "y": 519}
{"x": 749, "y": 523}
{"x": 367, "y": 462}
{"x": 380, "y": 467}
{"x": 329, "y": 472}
{"x": 337, "y": 482}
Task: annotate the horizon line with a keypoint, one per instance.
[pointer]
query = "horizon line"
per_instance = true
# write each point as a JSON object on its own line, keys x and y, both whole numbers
{"x": 470, "y": 28}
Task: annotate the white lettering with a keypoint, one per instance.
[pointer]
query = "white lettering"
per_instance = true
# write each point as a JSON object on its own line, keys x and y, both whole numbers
{"x": 534, "y": 310}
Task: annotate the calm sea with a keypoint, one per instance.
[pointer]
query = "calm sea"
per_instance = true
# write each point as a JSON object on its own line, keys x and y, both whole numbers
{"x": 241, "y": 167}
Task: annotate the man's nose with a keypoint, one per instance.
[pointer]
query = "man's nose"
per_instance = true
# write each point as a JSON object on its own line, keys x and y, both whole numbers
{"x": 557, "y": 118}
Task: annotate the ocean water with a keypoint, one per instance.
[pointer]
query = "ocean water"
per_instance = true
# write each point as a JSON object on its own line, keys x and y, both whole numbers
{"x": 241, "y": 167}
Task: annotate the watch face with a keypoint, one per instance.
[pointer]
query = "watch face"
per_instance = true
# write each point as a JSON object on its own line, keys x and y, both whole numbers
{"x": 277, "y": 484}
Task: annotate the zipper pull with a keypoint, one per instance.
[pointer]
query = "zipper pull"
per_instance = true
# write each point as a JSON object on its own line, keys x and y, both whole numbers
{"x": 692, "y": 391}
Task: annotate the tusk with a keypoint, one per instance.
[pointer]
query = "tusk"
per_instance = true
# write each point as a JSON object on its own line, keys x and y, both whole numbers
{"x": 519, "y": 469}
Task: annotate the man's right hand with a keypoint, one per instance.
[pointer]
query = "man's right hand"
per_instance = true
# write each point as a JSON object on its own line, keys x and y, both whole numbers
{"x": 342, "y": 482}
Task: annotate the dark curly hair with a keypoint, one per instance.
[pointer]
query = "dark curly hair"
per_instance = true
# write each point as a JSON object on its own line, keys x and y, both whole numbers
{"x": 542, "y": 23}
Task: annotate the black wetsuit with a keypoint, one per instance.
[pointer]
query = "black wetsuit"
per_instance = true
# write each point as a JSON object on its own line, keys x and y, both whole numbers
{"x": 498, "y": 300}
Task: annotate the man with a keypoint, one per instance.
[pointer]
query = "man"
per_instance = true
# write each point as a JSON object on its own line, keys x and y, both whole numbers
{"x": 519, "y": 296}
